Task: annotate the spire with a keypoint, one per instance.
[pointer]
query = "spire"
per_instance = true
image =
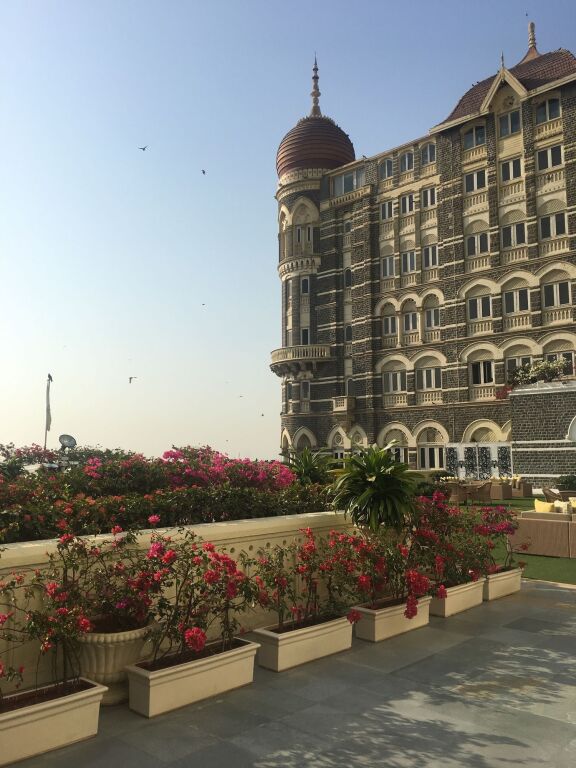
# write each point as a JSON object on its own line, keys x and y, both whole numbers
{"x": 532, "y": 52}
{"x": 315, "y": 111}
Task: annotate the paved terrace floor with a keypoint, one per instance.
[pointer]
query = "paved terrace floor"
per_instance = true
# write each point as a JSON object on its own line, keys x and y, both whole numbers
{"x": 494, "y": 687}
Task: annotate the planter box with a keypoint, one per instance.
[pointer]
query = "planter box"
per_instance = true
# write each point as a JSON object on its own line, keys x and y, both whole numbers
{"x": 458, "y": 599}
{"x": 382, "y": 623}
{"x": 104, "y": 655}
{"x": 501, "y": 584}
{"x": 153, "y": 692}
{"x": 279, "y": 651}
{"x": 49, "y": 725}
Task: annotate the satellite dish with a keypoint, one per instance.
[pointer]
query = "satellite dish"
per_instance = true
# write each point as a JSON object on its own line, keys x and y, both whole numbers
{"x": 67, "y": 441}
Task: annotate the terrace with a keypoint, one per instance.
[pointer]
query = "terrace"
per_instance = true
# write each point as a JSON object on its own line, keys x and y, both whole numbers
{"x": 488, "y": 688}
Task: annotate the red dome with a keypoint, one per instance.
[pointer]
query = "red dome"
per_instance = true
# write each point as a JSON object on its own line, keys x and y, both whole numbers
{"x": 314, "y": 142}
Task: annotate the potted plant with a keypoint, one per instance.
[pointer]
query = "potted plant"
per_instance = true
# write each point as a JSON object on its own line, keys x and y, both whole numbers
{"x": 494, "y": 525}
{"x": 196, "y": 653}
{"x": 34, "y": 608}
{"x": 305, "y": 585}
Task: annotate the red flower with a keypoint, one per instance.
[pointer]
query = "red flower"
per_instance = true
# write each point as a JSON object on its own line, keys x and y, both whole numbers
{"x": 195, "y": 639}
{"x": 441, "y": 592}
{"x": 117, "y": 529}
{"x": 169, "y": 557}
{"x": 364, "y": 582}
{"x": 154, "y": 519}
{"x": 411, "y": 607}
{"x": 354, "y": 616}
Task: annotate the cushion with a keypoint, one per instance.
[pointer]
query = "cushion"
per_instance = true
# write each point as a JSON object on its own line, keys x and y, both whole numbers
{"x": 561, "y": 506}
{"x": 572, "y": 501}
{"x": 543, "y": 506}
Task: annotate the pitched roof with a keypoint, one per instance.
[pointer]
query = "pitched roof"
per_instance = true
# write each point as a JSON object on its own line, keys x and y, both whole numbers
{"x": 533, "y": 73}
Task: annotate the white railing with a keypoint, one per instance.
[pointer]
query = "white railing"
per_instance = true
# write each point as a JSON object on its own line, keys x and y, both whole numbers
{"x": 389, "y": 341}
{"x": 387, "y": 183}
{"x": 556, "y": 245}
{"x": 347, "y": 240}
{"x": 548, "y": 181}
{"x": 411, "y": 338}
{"x": 428, "y": 170}
{"x": 386, "y": 229}
{"x": 433, "y": 334}
{"x": 407, "y": 222}
{"x": 429, "y": 397}
{"x": 430, "y": 274}
{"x": 476, "y": 153}
{"x": 428, "y": 217}
{"x": 348, "y": 349}
{"x": 512, "y": 255}
{"x": 513, "y": 190}
{"x": 477, "y": 262}
{"x": 511, "y": 322}
{"x": 475, "y": 201}
{"x": 343, "y": 404}
{"x": 406, "y": 177}
{"x": 301, "y": 352}
{"x": 477, "y": 327}
{"x": 550, "y": 128}
{"x": 386, "y": 283}
{"x": 483, "y": 392}
{"x": 557, "y": 315}
{"x": 395, "y": 400}
{"x": 410, "y": 279}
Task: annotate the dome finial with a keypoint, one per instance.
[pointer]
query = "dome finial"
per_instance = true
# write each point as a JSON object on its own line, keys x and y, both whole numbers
{"x": 531, "y": 35}
{"x": 315, "y": 111}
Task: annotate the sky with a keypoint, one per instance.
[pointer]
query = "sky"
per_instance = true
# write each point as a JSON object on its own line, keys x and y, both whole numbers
{"x": 116, "y": 262}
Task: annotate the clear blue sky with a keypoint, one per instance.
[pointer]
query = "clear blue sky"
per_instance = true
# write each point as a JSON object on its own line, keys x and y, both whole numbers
{"x": 118, "y": 263}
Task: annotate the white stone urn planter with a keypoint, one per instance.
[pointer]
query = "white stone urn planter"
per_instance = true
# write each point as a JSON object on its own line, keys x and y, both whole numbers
{"x": 153, "y": 692}
{"x": 458, "y": 599}
{"x": 282, "y": 650}
{"x": 381, "y": 623}
{"x": 502, "y": 583}
{"x": 104, "y": 655}
{"x": 32, "y": 730}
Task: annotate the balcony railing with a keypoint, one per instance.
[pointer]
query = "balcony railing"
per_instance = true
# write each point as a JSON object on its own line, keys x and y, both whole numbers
{"x": 343, "y": 404}
{"x": 386, "y": 229}
{"x": 432, "y": 334}
{"x": 411, "y": 338}
{"x": 512, "y": 255}
{"x": 545, "y": 130}
{"x": 512, "y": 191}
{"x": 476, "y": 153}
{"x": 474, "y": 202}
{"x": 407, "y": 222}
{"x": 475, "y": 263}
{"x": 429, "y": 397}
{"x": 406, "y": 177}
{"x": 550, "y": 181}
{"x": 430, "y": 274}
{"x": 347, "y": 240}
{"x": 387, "y": 284}
{"x": 428, "y": 170}
{"x": 410, "y": 279}
{"x": 479, "y": 327}
{"x": 389, "y": 341}
{"x": 396, "y": 399}
{"x": 301, "y": 352}
{"x": 512, "y": 322}
{"x": 557, "y": 315}
{"x": 483, "y": 392}
{"x": 556, "y": 245}
{"x": 428, "y": 217}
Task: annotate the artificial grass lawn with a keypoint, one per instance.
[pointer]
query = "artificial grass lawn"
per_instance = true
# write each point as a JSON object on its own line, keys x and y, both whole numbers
{"x": 559, "y": 569}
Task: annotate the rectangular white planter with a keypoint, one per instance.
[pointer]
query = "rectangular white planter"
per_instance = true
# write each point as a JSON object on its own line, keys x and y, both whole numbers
{"x": 458, "y": 599}
{"x": 50, "y": 724}
{"x": 382, "y": 623}
{"x": 153, "y": 692}
{"x": 279, "y": 651}
{"x": 501, "y": 584}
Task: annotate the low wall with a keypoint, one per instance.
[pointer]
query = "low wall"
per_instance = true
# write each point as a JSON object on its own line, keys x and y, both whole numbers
{"x": 234, "y": 537}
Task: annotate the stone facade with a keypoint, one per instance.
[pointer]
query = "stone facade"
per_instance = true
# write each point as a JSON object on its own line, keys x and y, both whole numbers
{"x": 414, "y": 281}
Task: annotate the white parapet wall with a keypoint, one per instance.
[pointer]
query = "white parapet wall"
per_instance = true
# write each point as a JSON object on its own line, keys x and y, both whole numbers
{"x": 233, "y": 537}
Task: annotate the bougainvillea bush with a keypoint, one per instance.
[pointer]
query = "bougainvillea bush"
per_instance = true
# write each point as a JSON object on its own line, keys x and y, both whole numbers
{"x": 184, "y": 486}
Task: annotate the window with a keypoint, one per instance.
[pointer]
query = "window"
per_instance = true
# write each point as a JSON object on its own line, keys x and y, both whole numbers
{"x": 516, "y": 301}
{"x": 482, "y": 372}
{"x": 406, "y": 162}
{"x": 431, "y": 457}
{"x": 308, "y": 234}
{"x": 305, "y": 336}
{"x": 510, "y": 123}
{"x": 348, "y": 333}
{"x": 347, "y": 225}
{"x": 514, "y": 234}
{"x": 552, "y": 226}
{"x": 387, "y": 210}
{"x": 388, "y": 266}
{"x": 428, "y": 154}
{"x": 428, "y": 197}
{"x": 298, "y": 234}
{"x": 407, "y": 203}
{"x": 432, "y": 317}
{"x": 511, "y": 169}
{"x": 549, "y": 158}
{"x": 477, "y": 244}
{"x": 289, "y": 338}
{"x": 399, "y": 454}
{"x": 288, "y": 390}
{"x": 556, "y": 294}
{"x": 389, "y": 325}
{"x": 516, "y": 362}
{"x": 305, "y": 285}
{"x": 567, "y": 356}
{"x": 430, "y": 256}
{"x": 394, "y": 381}
{"x": 428, "y": 378}
{"x": 474, "y": 181}
{"x": 475, "y": 137}
{"x": 349, "y": 387}
{"x": 347, "y": 278}
{"x": 410, "y": 322}
{"x": 479, "y": 306}
{"x": 408, "y": 262}
{"x": 348, "y": 182}
{"x": 385, "y": 169}
{"x": 305, "y": 390}
{"x": 547, "y": 110}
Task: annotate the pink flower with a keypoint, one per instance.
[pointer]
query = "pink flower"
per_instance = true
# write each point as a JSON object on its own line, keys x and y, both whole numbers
{"x": 169, "y": 557}
{"x": 117, "y": 529}
{"x": 84, "y": 624}
{"x": 195, "y": 639}
{"x": 154, "y": 519}
{"x": 441, "y": 592}
{"x": 354, "y": 616}
{"x": 411, "y": 607}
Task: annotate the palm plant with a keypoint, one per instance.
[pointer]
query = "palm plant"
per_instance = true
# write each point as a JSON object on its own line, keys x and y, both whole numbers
{"x": 375, "y": 490}
{"x": 310, "y": 467}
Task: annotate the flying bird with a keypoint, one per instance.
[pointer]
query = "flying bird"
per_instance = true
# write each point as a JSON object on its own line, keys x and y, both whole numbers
{"x": 50, "y": 378}
{"x": 203, "y": 172}
{"x": 143, "y": 148}
{"x": 130, "y": 379}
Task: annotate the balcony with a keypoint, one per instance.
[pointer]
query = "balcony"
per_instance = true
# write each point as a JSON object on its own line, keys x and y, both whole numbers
{"x": 431, "y": 274}
{"x": 429, "y": 397}
{"x": 550, "y": 181}
{"x": 432, "y": 335}
{"x": 389, "y": 341}
{"x": 513, "y": 255}
{"x": 343, "y": 404}
{"x": 476, "y": 202}
{"x": 386, "y": 230}
{"x": 515, "y": 322}
{"x": 410, "y": 279}
{"x": 479, "y": 327}
{"x": 510, "y": 193}
{"x": 411, "y": 338}
{"x": 546, "y": 130}
{"x": 407, "y": 223}
{"x": 554, "y": 246}
{"x": 557, "y": 315}
{"x": 387, "y": 284}
{"x": 474, "y": 154}
{"x": 301, "y": 358}
{"x": 476, "y": 263}
{"x": 428, "y": 170}
{"x": 406, "y": 177}
{"x": 483, "y": 392}
{"x": 395, "y": 400}
{"x": 428, "y": 218}
{"x": 386, "y": 183}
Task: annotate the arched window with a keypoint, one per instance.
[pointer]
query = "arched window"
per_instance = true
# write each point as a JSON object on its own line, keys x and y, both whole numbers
{"x": 430, "y": 449}
{"x": 428, "y": 154}
{"x": 347, "y": 278}
{"x": 406, "y": 162}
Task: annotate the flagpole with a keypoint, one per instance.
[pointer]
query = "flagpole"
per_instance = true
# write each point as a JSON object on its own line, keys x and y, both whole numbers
{"x": 48, "y": 412}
